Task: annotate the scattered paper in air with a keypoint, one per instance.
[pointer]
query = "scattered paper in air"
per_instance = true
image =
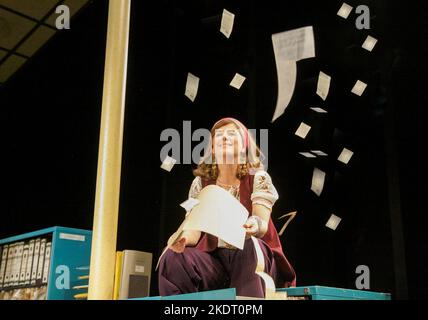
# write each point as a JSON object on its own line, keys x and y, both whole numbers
{"x": 189, "y": 204}
{"x": 307, "y": 154}
{"x": 303, "y": 130}
{"x": 290, "y": 47}
{"x": 319, "y": 110}
{"x": 192, "y": 85}
{"x": 359, "y": 88}
{"x": 237, "y": 81}
{"x": 319, "y": 153}
{"x": 370, "y": 43}
{"x": 227, "y": 20}
{"x": 345, "y": 156}
{"x": 318, "y": 179}
{"x": 323, "y": 86}
{"x": 333, "y": 222}
{"x": 344, "y": 11}
{"x": 168, "y": 163}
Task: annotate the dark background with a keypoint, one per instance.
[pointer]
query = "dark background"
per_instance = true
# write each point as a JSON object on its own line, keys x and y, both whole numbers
{"x": 50, "y": 112}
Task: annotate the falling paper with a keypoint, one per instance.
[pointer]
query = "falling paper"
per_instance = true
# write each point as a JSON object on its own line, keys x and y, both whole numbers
{"x": 192, "y": 85}
{"x": 319, "y": 153}
{"x": 291, "y": 216}
{"x": 227, "y": 23}
{"x": 307, "y": 154}
{"x": 333, "y": 222}
{"x": 318, "y": 181}
{"x": 319, "y": 110}
{"x": 189, "y": 204}
{"x": 345, "y": 156}
{"x": 359, "y": 88}
{"x": 323, "y": 86}
{"x": 168, "y": 163}
{"x": 237, "y": 81}
{"x": 344, "y": 11}
{"x": 290, "y": 47}
{"x": 303, "y": 130}
{"x": 370, "y": 43}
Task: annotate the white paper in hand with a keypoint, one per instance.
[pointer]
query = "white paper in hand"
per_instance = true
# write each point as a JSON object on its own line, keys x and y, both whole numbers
{"x": 303, "y": 130}
{"x": 237, "y": 81}
{"x": 323, "y": 86}
{"x": 227, "y": 20}
{"x": 318, "y": 179}
{"x": 344, "y": 11}
{"x": 168, "y": 163}
{"x": 333, "y": 222}
{"x": 370, "y": 43}
{"x": 359, "y": 88}
{"x": 345, "y": 156}
{"x": 189, "y": 204}
{"x": 192, "y": 85}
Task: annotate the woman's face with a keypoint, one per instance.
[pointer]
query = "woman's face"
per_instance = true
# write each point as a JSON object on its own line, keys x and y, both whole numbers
{"x": 227, "y": 144}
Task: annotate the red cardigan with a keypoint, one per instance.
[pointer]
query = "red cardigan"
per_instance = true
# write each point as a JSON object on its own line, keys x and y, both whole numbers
{"x": 209, "y": 243}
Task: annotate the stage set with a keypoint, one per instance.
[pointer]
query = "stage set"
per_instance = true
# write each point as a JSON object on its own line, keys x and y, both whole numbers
{"x": 213, "y": 150}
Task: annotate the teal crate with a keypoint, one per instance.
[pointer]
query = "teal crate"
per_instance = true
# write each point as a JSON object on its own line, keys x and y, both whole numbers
{"x": 70, "y": 258}
{"x": 223, "y": 294}
{"x": 330, "y": 293}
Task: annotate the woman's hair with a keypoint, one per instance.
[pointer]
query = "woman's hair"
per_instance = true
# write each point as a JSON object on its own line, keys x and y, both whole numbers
{"x": 207, "y": 167}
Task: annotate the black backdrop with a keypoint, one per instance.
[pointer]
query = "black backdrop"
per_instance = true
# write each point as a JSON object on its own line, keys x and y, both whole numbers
{"x": 51, "y": 110}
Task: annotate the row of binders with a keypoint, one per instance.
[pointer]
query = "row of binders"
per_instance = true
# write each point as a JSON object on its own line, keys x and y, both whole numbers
{"x": 25, "y": 264}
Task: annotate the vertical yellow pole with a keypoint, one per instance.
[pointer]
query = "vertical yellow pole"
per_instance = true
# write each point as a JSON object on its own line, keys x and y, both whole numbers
{"x": 101, "y": 276}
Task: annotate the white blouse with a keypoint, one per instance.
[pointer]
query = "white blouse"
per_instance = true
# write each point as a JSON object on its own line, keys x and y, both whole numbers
{"x": 264, "y": 192}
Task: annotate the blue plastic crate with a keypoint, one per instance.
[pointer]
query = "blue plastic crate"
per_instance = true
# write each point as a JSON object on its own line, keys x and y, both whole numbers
{"x": 330, "y": 293}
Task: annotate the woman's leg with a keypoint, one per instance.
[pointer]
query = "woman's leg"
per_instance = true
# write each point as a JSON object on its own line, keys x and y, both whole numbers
{"x": 191, "y": 271}
{"x": 241, "y": 267}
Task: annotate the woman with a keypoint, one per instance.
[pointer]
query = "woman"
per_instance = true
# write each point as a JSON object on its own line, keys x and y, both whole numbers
{"x": 199, "y": 261}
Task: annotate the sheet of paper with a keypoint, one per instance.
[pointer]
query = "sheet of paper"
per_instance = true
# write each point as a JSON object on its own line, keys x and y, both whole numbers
{"x": 290, "y": 216}
{"x": 307, "y": 154}
{"x": 319, "y": 110}
{"x": 359, "y": 88}
{"x": 227, "y": 20}
{"x": 369, "y": 43}
{"x": 323, "y": 86}
{"x": 319, "y": 153}
{"x": 219, "y": 214}
{"x": 168, "y": 163}
{"x": 303, "y": 130}
{"x": 345, "y": 156}
{"x": 318, "y": 179}
{"x": 189, "y": 204}
{"x": 344, "y": 11}
{"x": 192, "y": 85}
{"x": 333, "y": 222}
{"x": 290, "y": 47}
{"x": 237, "y": 81}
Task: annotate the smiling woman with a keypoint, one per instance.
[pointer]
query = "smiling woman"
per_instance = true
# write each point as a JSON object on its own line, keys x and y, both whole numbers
{"x": 199, "y": 261}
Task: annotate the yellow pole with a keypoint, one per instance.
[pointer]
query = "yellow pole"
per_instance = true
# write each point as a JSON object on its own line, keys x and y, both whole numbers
{"x": 101, "y": 276}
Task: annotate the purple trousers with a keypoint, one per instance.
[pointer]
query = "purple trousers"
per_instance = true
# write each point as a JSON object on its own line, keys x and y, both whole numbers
{"x": 195, "y": 270}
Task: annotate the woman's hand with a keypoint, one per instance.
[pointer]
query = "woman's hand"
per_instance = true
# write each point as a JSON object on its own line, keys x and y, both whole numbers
{"x": 179, "y": 245}
{"x": 251, "y": 227}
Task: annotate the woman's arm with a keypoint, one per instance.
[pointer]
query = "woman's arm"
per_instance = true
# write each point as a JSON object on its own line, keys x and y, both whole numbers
{"x": 257, "y": 224}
